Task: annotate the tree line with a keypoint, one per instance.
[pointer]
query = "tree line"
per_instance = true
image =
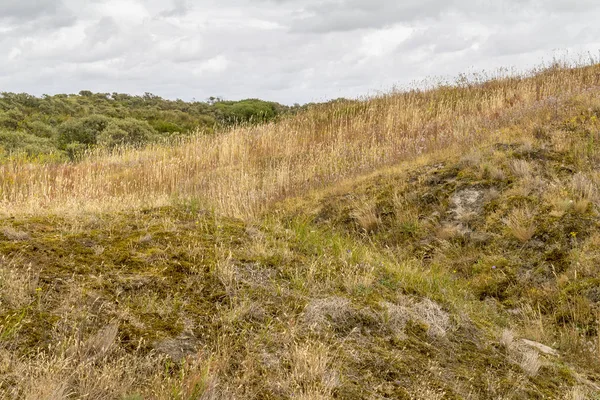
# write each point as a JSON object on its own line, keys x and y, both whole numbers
{"x": 62, "y": 126}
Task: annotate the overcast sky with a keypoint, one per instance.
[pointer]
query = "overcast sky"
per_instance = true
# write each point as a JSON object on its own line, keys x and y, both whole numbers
{"x": 282, "y": 50}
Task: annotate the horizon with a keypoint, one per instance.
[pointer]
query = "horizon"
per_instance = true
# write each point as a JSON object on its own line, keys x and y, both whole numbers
{"x": 427, "y": 83}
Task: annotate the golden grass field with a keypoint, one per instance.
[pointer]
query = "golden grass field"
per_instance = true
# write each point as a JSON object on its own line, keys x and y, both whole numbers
{"x": 425, "y": 244}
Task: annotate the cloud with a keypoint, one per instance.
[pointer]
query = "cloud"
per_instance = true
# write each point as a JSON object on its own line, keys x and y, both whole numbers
{"x": 284, "y": 50}
{"x": 28, "y": 10}
{"x": 180, "y": 8}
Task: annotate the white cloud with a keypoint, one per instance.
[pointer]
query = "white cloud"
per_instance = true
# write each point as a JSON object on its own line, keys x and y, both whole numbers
{"x": 214, "y": 65}
{"x": 382, "y": 42}
{"x": 126, "y": 11}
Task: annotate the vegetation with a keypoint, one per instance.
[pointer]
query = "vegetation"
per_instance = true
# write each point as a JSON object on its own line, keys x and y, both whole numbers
{"x": 440, "y": 244}
{"x": 67, "y": 125}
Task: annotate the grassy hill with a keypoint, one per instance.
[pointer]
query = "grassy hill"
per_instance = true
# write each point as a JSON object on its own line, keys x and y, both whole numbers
{"x": 438, "y": 244}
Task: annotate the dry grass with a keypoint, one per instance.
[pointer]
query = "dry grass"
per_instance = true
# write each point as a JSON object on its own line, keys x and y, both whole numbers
{"x": 365, "y": 215}
{"x": 507, "y": 339}
{"x": 520, "y": 224}
{"x": 13, "y": 234}
{"x": 530, "y": 362}
{"x": 521, "y": 168}
{"x": 18, "y": 284}
{"x": 448, "y": 232}
{"x": 578, "y": 393}
{"x": 242, "y": 171}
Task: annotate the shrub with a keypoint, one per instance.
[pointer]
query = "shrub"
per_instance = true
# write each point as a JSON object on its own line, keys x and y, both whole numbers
{"x": 83, "y": 130}
{"x": 166, "y": 127}
{"x": 11, "y": 119}
{"x": 40, "y": 129}
{"x": 21, "y": 142}
{"x": 127, "y": 131}
{"x": 250, "y": 110}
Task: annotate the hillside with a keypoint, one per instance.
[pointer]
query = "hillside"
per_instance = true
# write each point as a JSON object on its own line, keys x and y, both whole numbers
{"x": 438, "y": 244}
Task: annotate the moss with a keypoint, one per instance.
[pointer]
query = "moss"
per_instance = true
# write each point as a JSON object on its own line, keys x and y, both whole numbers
{"x": 32, "y": 331}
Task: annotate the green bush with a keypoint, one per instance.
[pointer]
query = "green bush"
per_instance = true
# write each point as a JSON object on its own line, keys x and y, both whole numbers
{"x": 166, "y": 127}
{"x": 21, "y": 142}
{"x": 11, "y": 119}
{"x": 247, "y": 111}
{"x": 75, "y": 150}
{"x": 126, "y": 131}
{"x": 40, "y": 129}
{"x": 83, "y": 130}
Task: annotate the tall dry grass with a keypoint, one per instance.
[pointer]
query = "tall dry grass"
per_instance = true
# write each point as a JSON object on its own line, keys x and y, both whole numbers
{"x": 241, "y": 171}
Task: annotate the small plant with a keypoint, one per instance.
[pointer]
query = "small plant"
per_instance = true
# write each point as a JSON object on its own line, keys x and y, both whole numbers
{"x": 492, "y": 172}
{"x": 365, "y": 215}
{"x": 448, "y": 232}
{"x": 521, "y": 168}
{"x": 507, "y": 339}
{"x": 581, "y": 206}
{"x": 531, "y": 363}
{"x": 520, "y": 224}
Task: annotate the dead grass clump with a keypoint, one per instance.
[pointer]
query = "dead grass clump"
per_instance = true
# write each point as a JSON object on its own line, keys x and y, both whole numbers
{"x": 584, "y": 190}
{"x": 358, "y": 276}
{"x": 471, "y": 159}
{"x": 448, "y": 232}
{"x": 581, "y": 206}
{"x": 426, "y": 311}
{"x": 13, "y": 234}
{"x": 492, "y": 172}
{"x": 577, "y": 393}
{"x": 586, "y": 258}
{"x": 428, "y": 393}
{"x": 406, "y": 211}
{"x": 521, "y": 168}
{"x": 434, "y": 316}
{"x": 101, "y": 343}
{"x": 365, "y": 215}
{"x": 328, "y": 312}
{"x": 530, "y": 362}
{"x": 583, "y": 187}
{"x": 507, "y": 339}
{"x": 311, "y": 375}
{"x": 520, "y": 224}
{"x": 146, "y": 239}
{"x": 18, "y": 283}
{"x": 560, "y": 206}
{"x": 93, "y": 369}
{"x": 396, "y": 317}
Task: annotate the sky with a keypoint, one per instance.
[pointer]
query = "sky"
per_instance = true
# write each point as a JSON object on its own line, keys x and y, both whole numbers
{"x": 290, "y": 51}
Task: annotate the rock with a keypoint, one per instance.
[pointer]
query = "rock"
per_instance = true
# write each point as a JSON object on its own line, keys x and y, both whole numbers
{"x": 465, "y": 202}
{"x": 540, "y": 347}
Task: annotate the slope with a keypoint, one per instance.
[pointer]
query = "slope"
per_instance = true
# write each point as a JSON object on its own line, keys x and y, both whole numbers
{"x": 458, "y": 274}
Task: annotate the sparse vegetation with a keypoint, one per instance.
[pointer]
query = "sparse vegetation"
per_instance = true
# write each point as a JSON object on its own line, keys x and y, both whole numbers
{"x": 440, "y": 244}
